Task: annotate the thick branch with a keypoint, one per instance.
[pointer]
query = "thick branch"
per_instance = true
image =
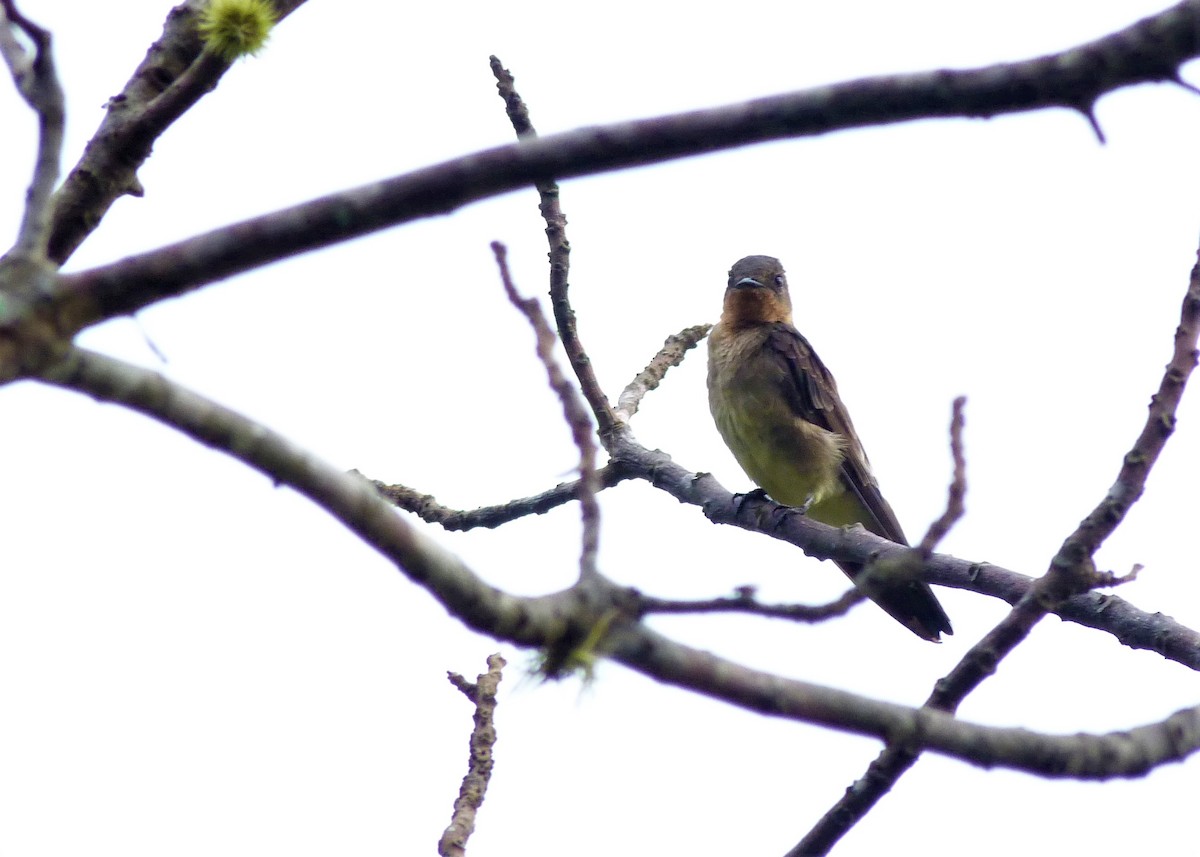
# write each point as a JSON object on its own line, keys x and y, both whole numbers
{"x": 1150, "y": 50}
{"x": 175, "y": 74}
{"x": 543, "y": 621}
{"x": 351, "y": 499}
{"x": 1130, "y": 753}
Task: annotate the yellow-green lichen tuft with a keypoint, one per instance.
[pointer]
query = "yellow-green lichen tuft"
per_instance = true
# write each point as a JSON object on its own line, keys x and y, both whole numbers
{"x": 236, "y": 28}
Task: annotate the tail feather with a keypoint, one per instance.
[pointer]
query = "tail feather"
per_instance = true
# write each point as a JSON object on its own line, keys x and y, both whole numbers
{"x": 910, "y": 602}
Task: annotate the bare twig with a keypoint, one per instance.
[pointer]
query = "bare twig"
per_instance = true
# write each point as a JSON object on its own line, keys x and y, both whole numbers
{"x": 895, "y": 758}
{"x": 479, "y": 766}
{"x": 1072, "y": 570}
{"x": 560, "y": 256}
{"x": 671, "y": 354}
{"x": 37, "y": 81}
{"x": 955, "y": 507}
{"x": 1071, "y": 573}
{"x": 429, "y": 509}
{"x": 744, "y": 601}
{"x": 576, "y": 416}
{"x": 564, "y": 317}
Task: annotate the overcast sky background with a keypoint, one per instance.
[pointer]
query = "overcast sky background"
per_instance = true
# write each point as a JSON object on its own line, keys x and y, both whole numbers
{"x": 196, "y": 662}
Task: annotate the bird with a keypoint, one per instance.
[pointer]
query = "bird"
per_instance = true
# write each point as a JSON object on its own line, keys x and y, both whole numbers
{"x": 777, "y": 408}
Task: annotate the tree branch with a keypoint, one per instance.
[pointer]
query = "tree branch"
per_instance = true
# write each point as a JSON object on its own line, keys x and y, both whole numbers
{"x": 430, "y": 510}
{"x": 1072, "y": 571}
{"x": 349, "y": 498}
{"x": 1126, "y": 753}
{"x": 574, "y": 413}
{"x": 546, "y": 620}
{"x": 956, "y": 495}
{"x": 670, "y": 355}
{"x": 1150, "y": 50}
{"x": 176, "y": 73}
{"x": 744, "y": 601}
{"x": 1131, "y": 626}
{"x": 37, "y": 82}
{"x": 479, "y": 765}
{"x": 560, "y": 255}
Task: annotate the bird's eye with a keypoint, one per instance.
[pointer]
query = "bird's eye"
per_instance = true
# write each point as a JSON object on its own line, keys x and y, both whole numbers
{"x": 779, "y": 280}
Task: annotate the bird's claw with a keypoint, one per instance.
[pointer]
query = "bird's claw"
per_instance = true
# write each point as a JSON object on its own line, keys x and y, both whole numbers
{"x": 758, "y": 495}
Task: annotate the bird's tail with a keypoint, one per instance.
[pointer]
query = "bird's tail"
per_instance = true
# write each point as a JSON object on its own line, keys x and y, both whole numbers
{"x": 907, "y": 600}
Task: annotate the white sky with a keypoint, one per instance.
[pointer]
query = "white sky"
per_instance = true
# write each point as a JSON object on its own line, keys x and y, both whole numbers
{"x": 195, "y": 662}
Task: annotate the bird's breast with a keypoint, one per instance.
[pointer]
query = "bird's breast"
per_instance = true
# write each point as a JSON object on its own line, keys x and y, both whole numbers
{"x": 787, "y": 456}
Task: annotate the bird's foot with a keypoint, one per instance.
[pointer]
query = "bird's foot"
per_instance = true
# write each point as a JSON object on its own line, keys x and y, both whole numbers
{"x": 758, "y": 495}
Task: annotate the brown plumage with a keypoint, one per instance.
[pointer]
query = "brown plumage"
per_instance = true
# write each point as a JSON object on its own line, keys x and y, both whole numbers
{"x": 777, "y": 408}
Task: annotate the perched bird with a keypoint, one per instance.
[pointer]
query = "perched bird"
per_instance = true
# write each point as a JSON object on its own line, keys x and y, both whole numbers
{"x": 777, "y": 408}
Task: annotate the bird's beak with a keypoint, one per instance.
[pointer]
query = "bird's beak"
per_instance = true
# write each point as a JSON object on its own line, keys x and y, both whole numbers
{"x": 747, "y": 283}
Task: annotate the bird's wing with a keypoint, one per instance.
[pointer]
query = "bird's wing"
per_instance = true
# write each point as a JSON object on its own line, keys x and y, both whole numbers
{"x": 812, "y": 394}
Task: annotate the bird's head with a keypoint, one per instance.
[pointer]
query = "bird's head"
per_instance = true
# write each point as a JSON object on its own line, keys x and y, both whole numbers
{"x": 757, "y": 292}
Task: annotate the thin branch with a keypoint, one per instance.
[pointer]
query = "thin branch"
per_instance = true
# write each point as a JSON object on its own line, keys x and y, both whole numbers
{"x": 479, "y": 765}
{"x": 37, "y": 81}
{"x": 956, "y": 494}
{"x": 670, "y": 355}
{"x": 560, "y": 255}
{"x": 744, "y": 601}
{"x": 427, "y": 507}
{"x": 573, "y": 411}
{"x": 430, "y": 510}
{"x": 1072, "y": 571}
{"x": 1150, "y": 50}
{"x": 895, "y": 758}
